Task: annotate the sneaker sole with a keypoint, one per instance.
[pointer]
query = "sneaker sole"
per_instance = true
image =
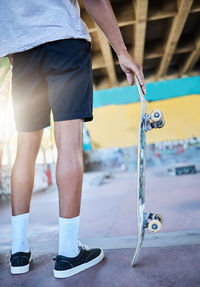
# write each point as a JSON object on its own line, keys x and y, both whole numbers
{"x": 20, "y": 269}
{"x": 82, "y": 267}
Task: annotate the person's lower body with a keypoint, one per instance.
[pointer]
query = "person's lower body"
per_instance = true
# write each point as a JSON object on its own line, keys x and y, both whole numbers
{"x": 55, "y": 76}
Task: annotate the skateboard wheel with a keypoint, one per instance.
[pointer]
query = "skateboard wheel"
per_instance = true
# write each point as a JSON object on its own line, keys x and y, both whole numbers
{"x": 161, "y": 124}
{"x": 159, "y": 217}
{"x": 157, "y": 116}
{"x": 155, "y": 225}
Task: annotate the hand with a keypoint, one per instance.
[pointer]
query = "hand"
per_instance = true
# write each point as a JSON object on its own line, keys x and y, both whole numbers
{"x": 130, "y": 66}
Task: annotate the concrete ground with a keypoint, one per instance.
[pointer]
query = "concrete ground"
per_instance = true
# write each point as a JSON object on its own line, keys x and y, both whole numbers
{"x": 108, "y": 219}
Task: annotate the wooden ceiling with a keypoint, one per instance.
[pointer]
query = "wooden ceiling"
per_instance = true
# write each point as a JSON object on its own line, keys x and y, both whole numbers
{"x": 162, "y": 35}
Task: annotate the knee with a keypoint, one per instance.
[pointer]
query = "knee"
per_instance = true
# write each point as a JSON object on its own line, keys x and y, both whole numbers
{"x": 29, "y": 143}
{"x": 70, "y": 145}
{"x": 70, "y": 151}
{"x": 68, "y": 136}
{"x": 28, "y": 148}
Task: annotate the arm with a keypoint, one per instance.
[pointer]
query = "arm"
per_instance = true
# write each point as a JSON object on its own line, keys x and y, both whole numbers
{"x": 102, "y": 13}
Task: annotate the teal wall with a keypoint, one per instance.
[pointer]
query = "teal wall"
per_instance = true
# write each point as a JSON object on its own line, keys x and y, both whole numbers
{"x": 156, "y": 91}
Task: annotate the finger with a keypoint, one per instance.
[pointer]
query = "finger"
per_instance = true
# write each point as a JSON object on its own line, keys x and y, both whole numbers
{"x": 137, "y": 69}
{"x": 140, "y": 77}
{"x": 144, "y": 90}
{"x": 130, "y": 78}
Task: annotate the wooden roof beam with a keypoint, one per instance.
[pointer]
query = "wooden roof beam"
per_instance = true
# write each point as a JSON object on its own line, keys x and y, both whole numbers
{"x": 141, "y": 8}
{"x": 192, "y": 59}
{"x": 178, "y": 23}
{"x": 108, "y": 58}
{"x": 108, "y": 61}
{"x": 103, "y": 84}
{"x": 97, "y": 61}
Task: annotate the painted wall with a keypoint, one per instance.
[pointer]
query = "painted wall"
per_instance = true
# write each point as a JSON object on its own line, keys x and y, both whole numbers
{"x": 116, "y": 125}
{"x": 156, "y": 91}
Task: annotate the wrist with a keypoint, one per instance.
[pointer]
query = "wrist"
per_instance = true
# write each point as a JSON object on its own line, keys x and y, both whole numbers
{"x": 121, "y": 51}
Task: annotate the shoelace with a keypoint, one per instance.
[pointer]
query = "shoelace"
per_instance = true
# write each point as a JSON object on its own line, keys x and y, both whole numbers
{"x": 80, "y": 245}
{"x": 83, "y": 246}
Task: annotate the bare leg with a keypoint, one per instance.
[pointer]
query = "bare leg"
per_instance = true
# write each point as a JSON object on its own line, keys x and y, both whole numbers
{"x": 69, "y": 169}
{"x": 22, "y": 177}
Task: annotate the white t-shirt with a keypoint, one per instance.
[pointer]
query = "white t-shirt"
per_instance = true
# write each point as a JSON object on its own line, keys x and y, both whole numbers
{"x": 25, "y": 24}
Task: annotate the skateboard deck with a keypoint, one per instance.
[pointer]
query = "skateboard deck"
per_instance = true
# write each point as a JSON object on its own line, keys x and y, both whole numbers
{"x": 145, "y": 219}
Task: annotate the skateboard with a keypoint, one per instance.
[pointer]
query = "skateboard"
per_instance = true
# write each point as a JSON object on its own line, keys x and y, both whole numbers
{"x": 145, "y": 219}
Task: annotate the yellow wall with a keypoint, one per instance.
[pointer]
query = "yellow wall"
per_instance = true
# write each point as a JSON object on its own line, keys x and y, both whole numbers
{"x": 117, "y": 125}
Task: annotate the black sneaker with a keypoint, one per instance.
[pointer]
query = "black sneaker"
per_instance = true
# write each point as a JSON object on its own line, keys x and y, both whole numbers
{"x": 19, "y": 262}
{"x": 66, "y": 266}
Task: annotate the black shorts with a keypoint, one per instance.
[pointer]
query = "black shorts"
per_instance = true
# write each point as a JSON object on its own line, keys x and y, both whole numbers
{"x": 56, "y": 75}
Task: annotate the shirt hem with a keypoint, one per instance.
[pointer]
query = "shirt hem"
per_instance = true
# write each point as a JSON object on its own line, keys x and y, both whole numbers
{"x": 39, "y": 42}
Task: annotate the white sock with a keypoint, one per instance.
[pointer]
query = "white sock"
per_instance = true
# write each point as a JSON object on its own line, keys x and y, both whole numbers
{"x": 19, "y": 231}
{"x": 68, "y": 236}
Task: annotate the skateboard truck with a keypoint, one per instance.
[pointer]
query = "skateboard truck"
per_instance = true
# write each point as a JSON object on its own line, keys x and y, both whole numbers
{"x": 154, "y": 120}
